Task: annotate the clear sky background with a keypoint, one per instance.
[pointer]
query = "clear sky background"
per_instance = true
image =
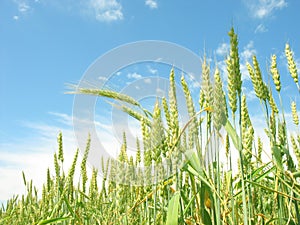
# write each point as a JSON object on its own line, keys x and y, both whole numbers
{"x": 45, "y": 44}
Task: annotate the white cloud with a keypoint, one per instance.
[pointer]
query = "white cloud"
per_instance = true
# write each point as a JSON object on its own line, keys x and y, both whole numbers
{"x": 223, "y": 70}
{"x": 23, "y": 6}
{"x": 151, "y": 3}
{"x": 223, "y": 49}
{"x": 263, "y": 8}
{"x": 134, "y": 75}
{"x": 297, "y": 61}
{"x": 159, "y": 91}
{"x": 147, "y": 81}
{"x": 34, "y": 154}
{"x": 152, "y": 70}
{"x": 106, "y": 10}
{"x": 260, "y": 29}
{"x": 246, "y": 56}
{"x": 250, "y": 93}
{"x": 102, "y": 78}
{"x": 101, "y": 10}
{"x": 192, "y": 81}
{"x": 248, "y": 51}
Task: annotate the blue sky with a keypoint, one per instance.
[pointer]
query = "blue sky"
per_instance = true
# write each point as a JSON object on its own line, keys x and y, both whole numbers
{"x": 46, "y": 44}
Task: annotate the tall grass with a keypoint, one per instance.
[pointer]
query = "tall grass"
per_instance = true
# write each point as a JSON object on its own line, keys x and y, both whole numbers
{"x": 200, "y": 191}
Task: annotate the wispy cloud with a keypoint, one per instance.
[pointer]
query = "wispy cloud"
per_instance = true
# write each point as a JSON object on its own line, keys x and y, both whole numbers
{"x": 152, "y": 4}
{"x": 152, "y": 70}
{"x": 250, "y": 93}
{"x": 223, "y": 49}
{"x": 263, "y": 8}
{"x": 106, "y": 10}
{"x": 297, "y": 61}
{"x": 147, "y": 81}
{"x": 32, "y": 155}
{"x": 248, "y": 51}
{"x": 260, "y": 29}
{"x": 102, "y": 78}
{"x": 23, "y": 6}
{"x": 134, "y": 76}
{"x": 246, "y": 56}
{"x": 101, "y": 10}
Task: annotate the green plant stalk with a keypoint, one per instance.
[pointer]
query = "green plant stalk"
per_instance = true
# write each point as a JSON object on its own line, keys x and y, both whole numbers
{"x": 218, "y": 210}
{"x": 240, "y": 148}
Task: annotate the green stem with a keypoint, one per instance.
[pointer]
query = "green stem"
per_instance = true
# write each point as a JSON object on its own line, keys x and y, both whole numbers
{"x": 245, "y": 211}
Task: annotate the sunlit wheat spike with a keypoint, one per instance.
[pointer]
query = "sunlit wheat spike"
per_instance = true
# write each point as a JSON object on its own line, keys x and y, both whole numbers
{"x": 138, "y": 152}
{"x": 259, "y": 148}
{"x": 135, "y": 114}
{"x": 44, "y": 194}
{"x": 147, "y": 158}
{"x": 123, "y": 158}
{"x": 83, "y": 163}
{"x": 263, "y": 87}
{"x": 60, "y": 147}
{"x": 273, "y": 130}
{"x": 131, "y": 161}
{"x": 234, "y": 68}
{"x": 201, "y": 98}
{"x": 275, "y": 73}
{"x": 157, "y": 135}
{"x": 247, "y": 130}
{"x": 73, "y": 166}
{"x": 296, "y": 150}
{"x": 291, "y": 63}
{"x": 173, "y": 109}
{"x": 248, "y": 142}
{"x": 282, "y": 135}
{"x": 107, "y": 93}
{"x": 24, "y": 178}
{"x": 219, "y": 103}
{"x": 130, "y": 170}
{"x": 273, "y": 103}
{"x": 166, "y": 111}
{"x": 294, "y": 113}
{"x": 93, "y": 188}
{"x": 145, "y": 133}
{"x": 227, "y": 145}
{"x": 245, "y": 118}
{"x": 57, "y": 170}
{"x": 49, "y": 180}
{"x": 231, "y": 86}
{"x": 206, "y": 83}
{"x": 260, "y": 88}
{"x": 193, "y": 130}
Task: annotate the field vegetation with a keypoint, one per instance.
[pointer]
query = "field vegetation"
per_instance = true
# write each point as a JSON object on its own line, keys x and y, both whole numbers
{"x": 197, "y": 191}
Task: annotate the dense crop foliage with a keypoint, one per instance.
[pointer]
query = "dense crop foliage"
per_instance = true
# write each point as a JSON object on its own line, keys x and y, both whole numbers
{"x": 198, "y": 192}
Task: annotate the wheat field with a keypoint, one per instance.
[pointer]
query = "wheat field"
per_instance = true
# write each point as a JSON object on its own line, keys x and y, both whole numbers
{"x": 196, "y": 192}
